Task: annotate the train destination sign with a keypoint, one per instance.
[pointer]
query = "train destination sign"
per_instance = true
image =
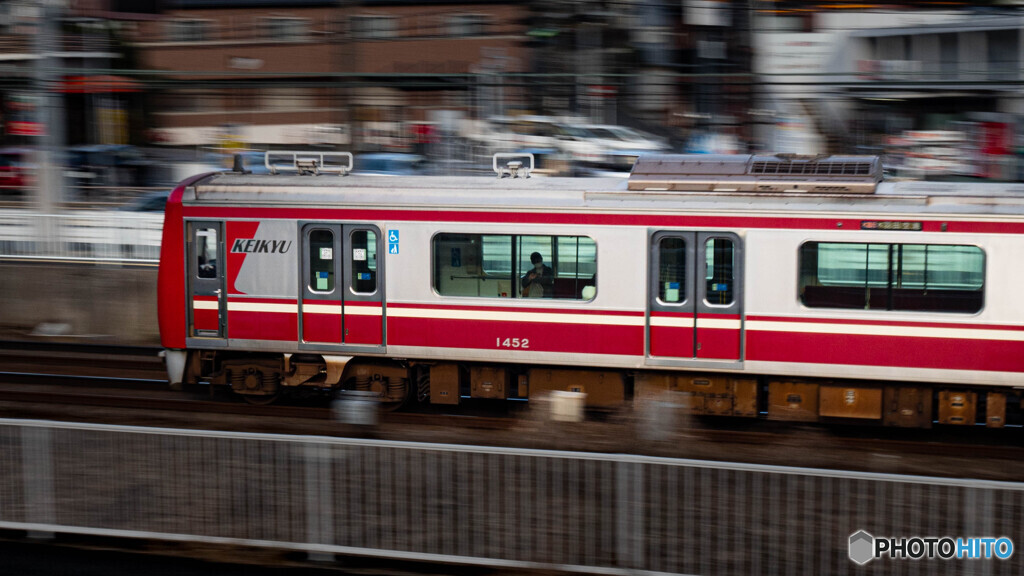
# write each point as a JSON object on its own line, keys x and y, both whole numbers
{"x": 891, "y": 225}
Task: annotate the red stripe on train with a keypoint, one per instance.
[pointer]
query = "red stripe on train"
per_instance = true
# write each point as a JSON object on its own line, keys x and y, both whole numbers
{"x": 357, "y": 303}
{"x": 206, "y": 320}
{"x": 249, "y": 299}
{"x": 589, "y": 219}
{"x": 513, "y": 308}
{"x": 858, "y": 322}
{"x": 672, "y": 342}
{"x": 263, "y": 325}
{"x": 889, "y": 351}
{"x": 364, "y": 329}
{"x": 322, "y": 328}
{"x": 492, "y": 335}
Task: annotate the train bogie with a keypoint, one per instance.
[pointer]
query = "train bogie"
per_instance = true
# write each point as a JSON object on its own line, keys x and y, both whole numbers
{"x": 700, "y": 394}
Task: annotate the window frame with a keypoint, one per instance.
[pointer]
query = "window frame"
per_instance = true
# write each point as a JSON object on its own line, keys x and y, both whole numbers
{"x": 892, "y": 282}
{"x": 207, "y": 232}
{"x": 734, "y": 252}
{"x": 334, "y": 257}
{"x": 686, "y": 268}
{"x": 350, "y": 258}
{"x": 513, "y": 277}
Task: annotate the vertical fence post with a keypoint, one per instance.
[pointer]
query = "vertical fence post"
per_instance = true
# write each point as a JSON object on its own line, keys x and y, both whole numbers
{"x": 319, "y": 501}
{"x": 629, "y": 514}
{"x": 37, "y": 462}
{"x": 622, "y": 518}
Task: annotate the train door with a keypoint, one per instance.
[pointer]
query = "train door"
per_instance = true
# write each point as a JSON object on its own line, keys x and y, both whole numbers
{"x": 364, "y": 286}
{"x": 207, "y": 309}
{"x": 342, "y": 300}
{"x": 320, "y": 308}
{"x": 695, "y": 297}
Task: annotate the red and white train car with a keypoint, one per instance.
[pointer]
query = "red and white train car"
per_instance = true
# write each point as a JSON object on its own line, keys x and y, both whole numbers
{"x": 797, "y": 288}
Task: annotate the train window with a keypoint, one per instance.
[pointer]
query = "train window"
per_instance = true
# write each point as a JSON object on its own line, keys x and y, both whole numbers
{"x": 473, "y": 265}
{"x": 719, "y": 256}
{"x": 364, "y": 261}
{"x": 497, "y": 254}
{"x": 569, "y": 262}
{"x": 917, "y": 277}
{"x": 672, "y": 270}
{"x": 577, "y": 257}
{"x": 206, "y": 252}
{"x": 929, "y": 267}
{"x": 496, "y": 266}
{"x": 321, "y": 261}
{"x": 535, "y": 269}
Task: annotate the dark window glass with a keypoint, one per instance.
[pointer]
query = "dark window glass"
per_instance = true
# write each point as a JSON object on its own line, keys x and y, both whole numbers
{"x": 917, "y": 277}
{"x": 206, "y": 252}
{"x": 672, "y": 270}
{"x": 719, "y": 256}
{"x": 321, "y": 261}
{"x": 364, "y": 261}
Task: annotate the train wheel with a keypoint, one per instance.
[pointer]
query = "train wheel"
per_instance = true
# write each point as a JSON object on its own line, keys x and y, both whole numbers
{"x": 390, "y": 393}
{"x": 258, "y": 384}
{"x": 262, "y": 399}
{"x": 395, "y": 395}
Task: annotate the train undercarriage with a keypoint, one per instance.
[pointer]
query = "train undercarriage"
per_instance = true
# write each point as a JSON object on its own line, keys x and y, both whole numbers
{"x": 263, "y": 378}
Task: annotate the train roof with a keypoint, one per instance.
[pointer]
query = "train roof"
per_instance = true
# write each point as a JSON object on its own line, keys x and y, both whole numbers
{"x": 656, "y": 184}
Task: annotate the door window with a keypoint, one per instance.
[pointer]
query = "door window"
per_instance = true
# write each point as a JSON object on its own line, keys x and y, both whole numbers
{"x": 321, "y": 261}
{"x": 364, "y": 261}
{"x": 672, "y": 270}
{"x": 719, "y": 255}
{"x": 206, "y": 252}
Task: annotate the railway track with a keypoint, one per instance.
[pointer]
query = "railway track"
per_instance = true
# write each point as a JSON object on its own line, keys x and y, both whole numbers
{"x": 76, "y": 382}
{"x": 61, "y": 374}
{"x": 82, "y": 360}
{"x": 143, "y": 394}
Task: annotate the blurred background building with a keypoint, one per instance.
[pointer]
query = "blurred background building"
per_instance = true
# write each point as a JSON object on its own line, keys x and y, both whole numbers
{"x": 122, "y": 92}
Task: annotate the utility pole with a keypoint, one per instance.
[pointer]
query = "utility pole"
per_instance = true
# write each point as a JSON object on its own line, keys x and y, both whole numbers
{"x": 50, "y": 108}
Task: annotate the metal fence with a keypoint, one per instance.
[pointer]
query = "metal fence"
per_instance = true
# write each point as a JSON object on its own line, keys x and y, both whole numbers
{"x": 81, "y": 236}
{"x": 616, "y": 514}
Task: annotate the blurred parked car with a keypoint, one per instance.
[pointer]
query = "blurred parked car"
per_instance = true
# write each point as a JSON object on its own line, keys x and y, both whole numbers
{"x": 504, "y": 133}
{"x": 107, "y": 165}
{"x": 621, "y": 146}
{"x": 510, "y": 133}
{"x": 391, "y": 163}
{"x": 623, "y": 138}
{"x": 580, "y": 145}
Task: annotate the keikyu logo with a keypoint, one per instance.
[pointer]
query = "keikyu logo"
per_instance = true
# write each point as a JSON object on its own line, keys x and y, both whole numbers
{"x": 254, "y": 246}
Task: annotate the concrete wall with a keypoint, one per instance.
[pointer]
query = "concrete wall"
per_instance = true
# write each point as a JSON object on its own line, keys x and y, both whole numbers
{"x": 79, "y": 302}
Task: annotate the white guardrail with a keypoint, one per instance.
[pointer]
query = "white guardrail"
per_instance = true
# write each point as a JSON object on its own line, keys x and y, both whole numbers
{"x": 132, "y": 237}
{"x": 593, "y": 513}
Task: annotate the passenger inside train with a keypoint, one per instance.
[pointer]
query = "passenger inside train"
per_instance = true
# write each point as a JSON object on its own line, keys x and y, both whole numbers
{"x": 539, "y": 282}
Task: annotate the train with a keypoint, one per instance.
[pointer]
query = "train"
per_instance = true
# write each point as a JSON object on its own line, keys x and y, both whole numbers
{"x": 797, "y": 288}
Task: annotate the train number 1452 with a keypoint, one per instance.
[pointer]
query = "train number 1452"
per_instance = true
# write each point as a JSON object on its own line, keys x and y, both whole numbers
{"x": 512, "y": 343}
